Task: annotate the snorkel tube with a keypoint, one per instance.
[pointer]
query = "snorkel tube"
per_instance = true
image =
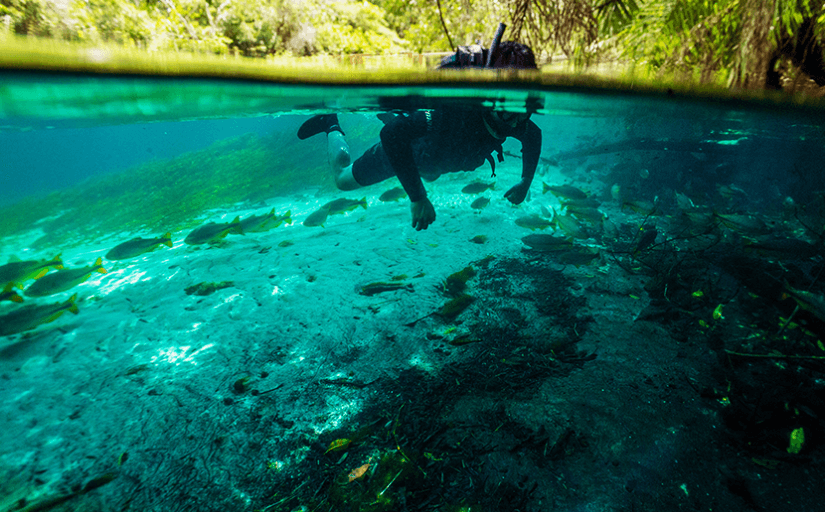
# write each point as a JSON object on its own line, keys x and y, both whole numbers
{"x": 494, "y": 45}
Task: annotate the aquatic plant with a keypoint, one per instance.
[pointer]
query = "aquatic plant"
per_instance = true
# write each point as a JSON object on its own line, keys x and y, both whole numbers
{"x": 456, "y": 306}
{"x": 205, "y": 288}
{"x": 377, "y": 485}
{"x": 456, "y": 282}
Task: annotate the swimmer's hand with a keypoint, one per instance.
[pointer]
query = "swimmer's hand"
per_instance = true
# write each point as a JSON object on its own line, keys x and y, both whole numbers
{"x": 423, "y": 214}
{"x": 517, "y": 194}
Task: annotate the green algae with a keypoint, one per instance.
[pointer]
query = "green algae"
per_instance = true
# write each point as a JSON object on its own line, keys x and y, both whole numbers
{"x": 455, "y": 306}
{"x": 203, "y": 289}
{"x": 463, "y": 339}
{"x": 456, "y": 282}
{"x": 382, "y": 287}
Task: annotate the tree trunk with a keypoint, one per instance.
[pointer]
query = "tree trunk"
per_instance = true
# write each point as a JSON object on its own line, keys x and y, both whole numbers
{"x": 756, "y": 49}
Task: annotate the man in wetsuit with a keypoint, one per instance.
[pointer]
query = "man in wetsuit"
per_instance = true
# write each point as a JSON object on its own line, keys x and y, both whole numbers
{"x": 428, "y": 143}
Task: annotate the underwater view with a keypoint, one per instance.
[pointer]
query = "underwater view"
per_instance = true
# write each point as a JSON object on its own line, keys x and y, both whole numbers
{"x": 595, "y": 300}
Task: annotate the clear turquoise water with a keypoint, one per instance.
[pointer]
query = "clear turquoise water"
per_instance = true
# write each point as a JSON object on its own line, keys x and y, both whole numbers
{"x": 733, "y": 191}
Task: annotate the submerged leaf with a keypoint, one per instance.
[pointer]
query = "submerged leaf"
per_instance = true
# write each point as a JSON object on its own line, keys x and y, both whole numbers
{"x": 338, "y": 445}
{"x": 358, "y": 472}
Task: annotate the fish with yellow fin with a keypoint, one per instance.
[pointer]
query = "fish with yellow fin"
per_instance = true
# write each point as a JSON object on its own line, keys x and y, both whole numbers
{"x": 343, "y": 205}
{"x": 564, "y": 191}
{"x": 137, "y": 246}
{"x": 568, "y": 225}
{"x": 19, "y": 271}
{"x": 316, "y": 218}
{"x": 533, "y": 222}
{"x": 261, "y": 223}
{"x": 27, "y": 318}
{"x": 63, "y": 280}
{"x": 213, "y": 232}
{"x": 8, "y": 293}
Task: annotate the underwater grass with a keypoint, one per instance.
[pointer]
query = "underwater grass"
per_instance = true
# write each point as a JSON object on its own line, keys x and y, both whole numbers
{"x": 169, "y": 195}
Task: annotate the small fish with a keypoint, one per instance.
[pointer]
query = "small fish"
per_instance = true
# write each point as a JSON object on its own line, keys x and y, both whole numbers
{"x": 27, "y": 318}
{"x": 590, "y": 202}
{"x": 746, "y": 224}
{"x": 380, "y": 287}
{"x": 731, "y": 192}
{"x": 569, "y": 225}
{"x": 811, "y": 302}
{"x": 19, "y": 271}
{"x": 565, "y": 191}
{"x": 591, "y": 215}
{"x": 546, "y": 213}
{"x": 393, "y": 194}
{"x": 316, "y": 218}
{"x": 790, "y": 248}
{"x": 478, "y": 187}
{"x": 343, "y": 205}
{"x": 480, "y": 203}
{"x": 63, "y": 280}
{"x": 137, "y": 246}
{"x": 742, "y": 222}
{"x": 698, "y": 218}
{"x": 640, "y": 207}
{"x": 479, "y": 239}
{"x": 547, "y": 243}
{"x": 683, "y": 202}
{"x": 616, "y": 192}
{"x": 533, "y": 222}
{"x": 213, "y": 232}
{"x": 578, "y": 257}
{"x": 261, "y": 223}
{"x": 8, "y": 293}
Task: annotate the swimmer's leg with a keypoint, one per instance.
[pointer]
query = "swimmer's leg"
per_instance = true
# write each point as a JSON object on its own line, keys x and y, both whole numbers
{"x": 337, "y": 148}
{"x": 340, "y": 161}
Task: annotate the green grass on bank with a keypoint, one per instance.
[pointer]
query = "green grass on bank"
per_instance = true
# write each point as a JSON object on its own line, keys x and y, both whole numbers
{"x": 30, "y": 54}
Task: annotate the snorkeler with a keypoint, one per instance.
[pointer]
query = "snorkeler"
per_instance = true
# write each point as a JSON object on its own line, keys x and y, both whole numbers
{"x": 428, "y": 143}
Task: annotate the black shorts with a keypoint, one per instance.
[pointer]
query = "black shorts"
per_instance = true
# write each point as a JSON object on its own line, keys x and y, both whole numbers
{"x": 372, "y": 167}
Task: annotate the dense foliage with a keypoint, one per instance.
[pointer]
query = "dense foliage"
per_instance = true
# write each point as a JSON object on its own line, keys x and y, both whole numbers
{"x": 745, "y": 43}
{"x": 249, "y": 27}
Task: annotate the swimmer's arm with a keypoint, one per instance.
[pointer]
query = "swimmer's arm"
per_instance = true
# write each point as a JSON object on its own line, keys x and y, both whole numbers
{"x": 530, "y": 151}
{"x": 396, "y": 137}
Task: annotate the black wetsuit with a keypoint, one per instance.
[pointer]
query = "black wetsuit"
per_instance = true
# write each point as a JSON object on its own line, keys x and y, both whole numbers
{"x": 428, "y": 143}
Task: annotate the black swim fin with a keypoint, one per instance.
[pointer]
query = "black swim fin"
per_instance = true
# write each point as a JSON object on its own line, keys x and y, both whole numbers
{"x": 317, "y": 124}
